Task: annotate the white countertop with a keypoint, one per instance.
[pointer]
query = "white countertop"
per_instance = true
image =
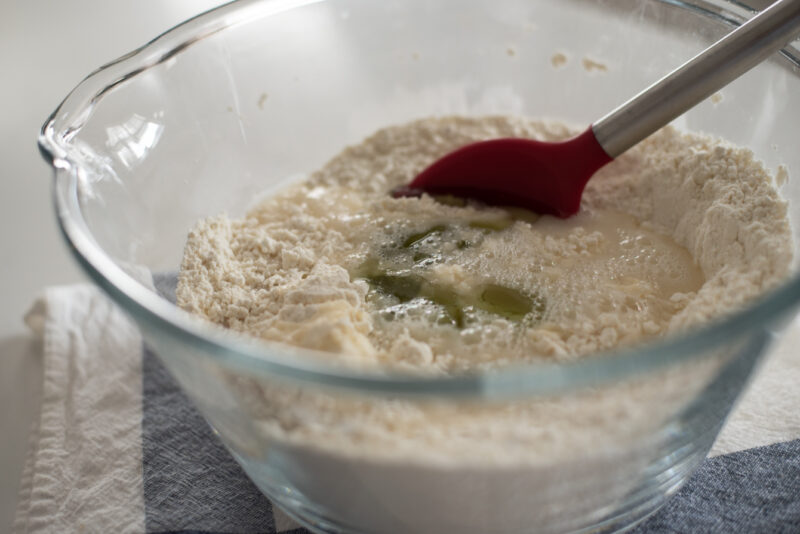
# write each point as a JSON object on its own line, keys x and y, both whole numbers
{"x": 46, "y": 48}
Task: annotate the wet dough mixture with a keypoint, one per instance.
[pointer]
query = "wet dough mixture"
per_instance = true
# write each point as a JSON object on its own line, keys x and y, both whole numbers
{"x": 678, "y": 230}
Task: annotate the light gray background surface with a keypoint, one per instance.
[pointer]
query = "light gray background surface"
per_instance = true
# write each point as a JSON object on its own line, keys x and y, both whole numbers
{"x": 46, "y": 48}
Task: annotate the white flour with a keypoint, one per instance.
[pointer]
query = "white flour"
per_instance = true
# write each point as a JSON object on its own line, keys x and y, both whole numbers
{"x": 679, "y": 230}
{"x": 289, "y": 270}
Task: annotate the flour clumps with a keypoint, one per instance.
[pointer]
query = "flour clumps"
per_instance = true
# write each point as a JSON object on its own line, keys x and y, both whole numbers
{"x": 679, "y": 230}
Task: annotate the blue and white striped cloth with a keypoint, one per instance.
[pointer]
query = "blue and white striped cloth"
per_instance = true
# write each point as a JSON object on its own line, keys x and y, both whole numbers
{"x": 119, "y": 448}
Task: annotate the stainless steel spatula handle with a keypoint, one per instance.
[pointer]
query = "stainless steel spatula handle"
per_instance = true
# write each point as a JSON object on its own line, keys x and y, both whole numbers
{"x": 695, "y": 80}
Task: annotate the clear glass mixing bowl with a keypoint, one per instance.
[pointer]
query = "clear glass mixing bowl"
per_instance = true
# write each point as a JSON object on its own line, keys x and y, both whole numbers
{"x": 243, "y": 98}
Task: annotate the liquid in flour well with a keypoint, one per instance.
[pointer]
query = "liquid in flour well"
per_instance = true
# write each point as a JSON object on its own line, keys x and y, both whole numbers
{"x": 635, "y": 267}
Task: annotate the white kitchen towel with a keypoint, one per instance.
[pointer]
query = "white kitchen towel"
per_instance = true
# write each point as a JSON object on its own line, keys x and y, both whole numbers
{"x": 84, "y": 469}
{"x": 118, "y": 447}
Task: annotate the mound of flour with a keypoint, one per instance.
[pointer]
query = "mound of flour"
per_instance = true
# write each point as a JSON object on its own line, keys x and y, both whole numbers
{"x": 284, "y": 272}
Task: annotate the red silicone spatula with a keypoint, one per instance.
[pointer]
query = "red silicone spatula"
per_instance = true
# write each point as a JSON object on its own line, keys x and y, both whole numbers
{"x": 550, "y": 177}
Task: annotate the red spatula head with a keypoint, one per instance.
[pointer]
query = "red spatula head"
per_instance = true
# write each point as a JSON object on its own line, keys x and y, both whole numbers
{"x": 542, "y": 177}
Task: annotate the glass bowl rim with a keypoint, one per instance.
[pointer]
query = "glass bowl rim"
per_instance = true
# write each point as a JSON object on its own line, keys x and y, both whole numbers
{"x": 272, "y": 359}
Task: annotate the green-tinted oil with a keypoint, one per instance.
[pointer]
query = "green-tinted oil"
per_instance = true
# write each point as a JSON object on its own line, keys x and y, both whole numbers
{"x": 413, "y": 239}
{"x": 449, "y": 301}
{"x": 504, "y": 301}
{"x": 493, "y": 225}
{"x": 402, "y": 287}
{"x": 495, "y": 299}
{"x": 401, "y": 278}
